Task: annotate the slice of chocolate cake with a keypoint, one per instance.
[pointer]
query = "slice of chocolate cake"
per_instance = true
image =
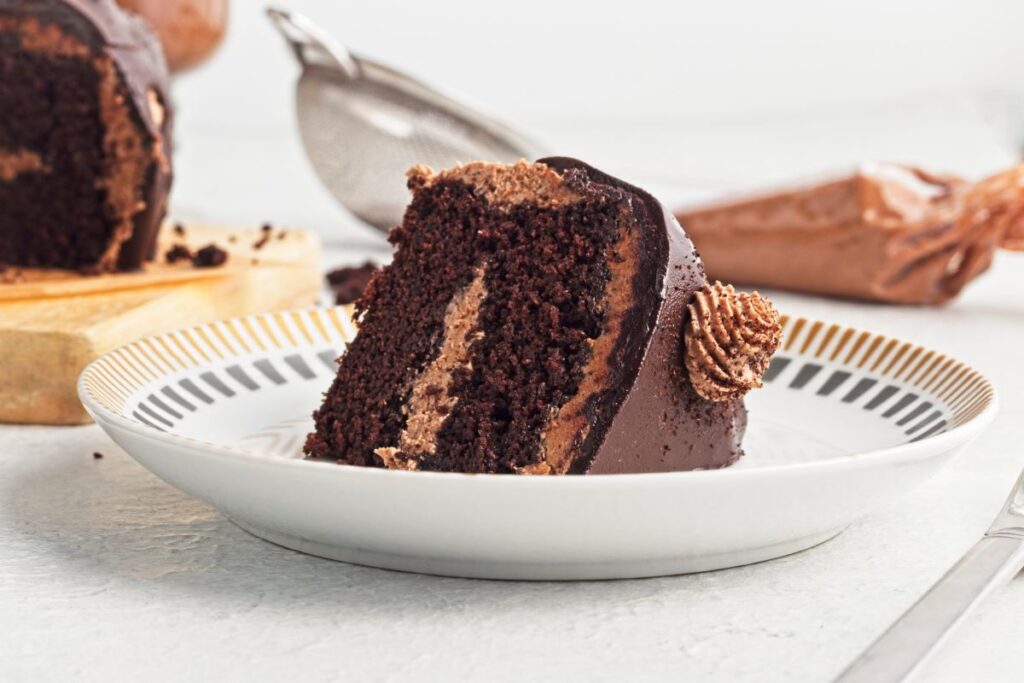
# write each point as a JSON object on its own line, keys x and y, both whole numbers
{"x": 84, "y": 135}
{"x": 534, "y": 321}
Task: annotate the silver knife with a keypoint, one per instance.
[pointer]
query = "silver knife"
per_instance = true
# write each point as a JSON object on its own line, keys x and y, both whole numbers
{"x": 901, "y": 651}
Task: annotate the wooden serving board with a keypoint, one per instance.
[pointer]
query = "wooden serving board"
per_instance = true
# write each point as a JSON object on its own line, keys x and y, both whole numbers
{"x": 53, "y": 323}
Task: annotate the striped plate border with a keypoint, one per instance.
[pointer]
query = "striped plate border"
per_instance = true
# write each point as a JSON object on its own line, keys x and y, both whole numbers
{"x": 156, "y": 380}
{"x": 924, "y": 392}
{"x": 159, "y": 380}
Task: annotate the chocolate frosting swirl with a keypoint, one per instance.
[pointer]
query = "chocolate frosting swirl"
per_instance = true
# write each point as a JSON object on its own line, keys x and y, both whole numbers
{"x": 730, "y": 339}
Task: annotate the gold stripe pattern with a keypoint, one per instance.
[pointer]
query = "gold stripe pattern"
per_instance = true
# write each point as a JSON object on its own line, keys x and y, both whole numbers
{"x": 963, "y": 391}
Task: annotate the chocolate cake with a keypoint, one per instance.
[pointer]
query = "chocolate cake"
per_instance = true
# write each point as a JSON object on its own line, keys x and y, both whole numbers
{"x": 536, "y": 319}
{"x": 85, "y": 143}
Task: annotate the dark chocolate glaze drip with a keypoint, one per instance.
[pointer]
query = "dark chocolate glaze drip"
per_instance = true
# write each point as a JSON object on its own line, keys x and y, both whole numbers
{"x": 135, "y": 50}
{"x": 661, "y": 424}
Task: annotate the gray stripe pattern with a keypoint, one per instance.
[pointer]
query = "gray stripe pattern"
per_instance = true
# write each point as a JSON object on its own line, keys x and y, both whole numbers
{"x": 215, "y": 382}
{"x": 329, "y": 358}
{"x": 155, "y": 400}
{"x": 925, "y": 422}
{"x": 238, "y": 374}
{"x": 907, "y": 407}
{"x": 146, "y": 422}
{"x": 881, "y": 397}
{"x": 269, "y": 371}
{"x": 153, "y": 415}
{"x": 940, "y": 427}
{"x": 296, "y": 363}
{"x": 159, "y": 413}
{"x": 805, "y": 375}
{"x": 170, "y": 393}
{"x": 834, "y": 382}
{"x": 859, "y": 389}
{"x": 914, "y": 414}
{"x": 775, "y": 368}
{"x": 156, "y": 411}
{"x": 905, "y": 401}
{"x": 190, "y": 386}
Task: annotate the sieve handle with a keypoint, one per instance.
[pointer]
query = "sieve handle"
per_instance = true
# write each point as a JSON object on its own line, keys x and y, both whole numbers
{"x": 312, "y": 45}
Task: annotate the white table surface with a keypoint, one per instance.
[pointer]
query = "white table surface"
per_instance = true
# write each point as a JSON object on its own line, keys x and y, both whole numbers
{"x": 107, "y": 573}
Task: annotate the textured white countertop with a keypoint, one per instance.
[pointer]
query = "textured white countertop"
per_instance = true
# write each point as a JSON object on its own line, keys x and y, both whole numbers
{"x": 107, "y": 573}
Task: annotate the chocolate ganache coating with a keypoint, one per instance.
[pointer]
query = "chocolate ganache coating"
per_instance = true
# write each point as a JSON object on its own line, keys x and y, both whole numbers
{"x": 105, "y": 27}
{"x": 661, "y": 424}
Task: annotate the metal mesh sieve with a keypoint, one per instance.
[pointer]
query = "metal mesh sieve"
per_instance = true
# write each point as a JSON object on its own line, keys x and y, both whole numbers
{"x": 363, "y": 125}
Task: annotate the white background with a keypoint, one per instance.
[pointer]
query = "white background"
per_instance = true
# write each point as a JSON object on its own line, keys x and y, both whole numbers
{"x": 685, "y": 96}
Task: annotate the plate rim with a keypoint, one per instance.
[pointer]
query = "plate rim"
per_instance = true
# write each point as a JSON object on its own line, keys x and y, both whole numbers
{"x": 908, "y": 452}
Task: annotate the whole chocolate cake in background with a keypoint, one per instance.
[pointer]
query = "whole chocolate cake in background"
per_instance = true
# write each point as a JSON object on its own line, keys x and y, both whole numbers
{"x": 85, "y": 148}
{"x": 543, "y": 318}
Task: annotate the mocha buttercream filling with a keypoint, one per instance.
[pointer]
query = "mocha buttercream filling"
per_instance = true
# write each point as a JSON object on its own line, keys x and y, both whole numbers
{"x": 17, "y": 161}
{"x": 127, "y": 153}
{"x": 429, "y": 402}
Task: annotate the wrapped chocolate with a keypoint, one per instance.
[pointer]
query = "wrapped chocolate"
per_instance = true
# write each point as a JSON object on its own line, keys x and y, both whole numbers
{"x": 885, "y": 233}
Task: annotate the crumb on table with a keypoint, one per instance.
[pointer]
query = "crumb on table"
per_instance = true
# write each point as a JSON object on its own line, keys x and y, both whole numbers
{"x": 348, "y": 283}
{"x": 178, "y": 252}
{"x": 209, "y": 256}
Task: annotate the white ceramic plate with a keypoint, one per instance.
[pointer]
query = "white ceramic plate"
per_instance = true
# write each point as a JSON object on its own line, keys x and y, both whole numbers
{"x": 847, "y": 421}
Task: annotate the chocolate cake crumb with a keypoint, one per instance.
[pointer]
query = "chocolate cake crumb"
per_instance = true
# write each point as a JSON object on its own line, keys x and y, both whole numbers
{"x": 266, "y": 231}
{"x": 179, "y": 229}
{"x": 97, "y": 456}
{"x": 178, "y": 252}
{"x": 209, "y": 256}
{"x": 264, "y": 238}
{"x": 349, "y": 283}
